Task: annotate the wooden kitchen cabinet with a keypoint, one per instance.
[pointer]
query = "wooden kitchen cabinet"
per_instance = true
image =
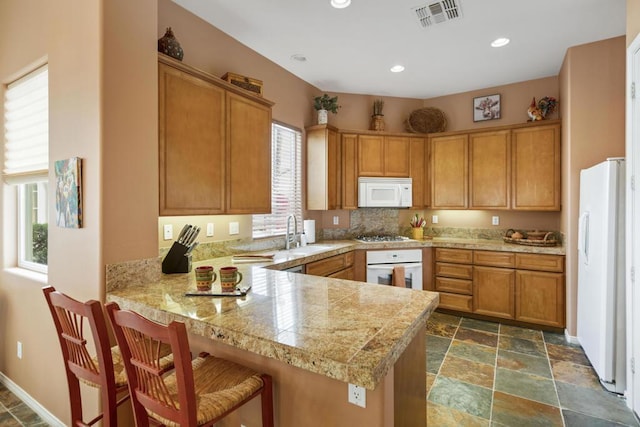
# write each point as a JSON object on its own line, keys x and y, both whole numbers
{"x": 418, "y": 171}
{"x": 191, "y": 144}
{"x": 323, "y": 168}
{"x": 490, "y": 170}
{"x": 206, "y": 128}
{"x": 536, "y": 168}
{"x": 349, "y": 165}
{"x": 453, "y": 274}
{"x": 383, "y": 155}
{"x": 248, "y": 156}
{"x": 494, "y": 291}
{"x": 333, "y": 266}
{"x": 449, "y": 171}
{"x": 540, "y": 289}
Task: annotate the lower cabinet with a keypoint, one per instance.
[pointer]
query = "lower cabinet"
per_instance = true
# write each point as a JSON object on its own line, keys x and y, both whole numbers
{"x": 503, "y": 285}
{"x": 337, "y": 266}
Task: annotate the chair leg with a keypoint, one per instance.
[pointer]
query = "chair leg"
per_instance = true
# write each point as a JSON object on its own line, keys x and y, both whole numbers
{"x": 267, "y": 401}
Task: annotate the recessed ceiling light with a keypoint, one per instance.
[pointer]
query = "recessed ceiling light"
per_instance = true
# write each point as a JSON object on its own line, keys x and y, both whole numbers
{"x": 298, "y": 57}
{"x": 499, "y": 42}
{"x": 397, "y": 69}
{"x": 340, "y": 4}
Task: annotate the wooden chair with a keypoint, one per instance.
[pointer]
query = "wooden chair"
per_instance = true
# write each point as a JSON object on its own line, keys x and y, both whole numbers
{"x": 105, "y": 370}
{"x": 197, "y": 393}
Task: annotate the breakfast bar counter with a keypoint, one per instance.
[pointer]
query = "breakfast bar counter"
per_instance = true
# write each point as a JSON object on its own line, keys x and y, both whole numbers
{"x": 312, "y": 334}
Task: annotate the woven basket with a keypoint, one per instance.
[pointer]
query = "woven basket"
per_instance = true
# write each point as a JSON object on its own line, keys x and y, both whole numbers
{"x": 426, "y": 120}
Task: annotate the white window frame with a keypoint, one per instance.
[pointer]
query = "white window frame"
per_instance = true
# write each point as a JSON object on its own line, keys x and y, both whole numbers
{"x": 275, "y": 223}
{"x": 26, "y": 159}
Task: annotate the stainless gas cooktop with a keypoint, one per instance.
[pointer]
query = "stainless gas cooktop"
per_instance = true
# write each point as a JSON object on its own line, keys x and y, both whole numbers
{"x": 381, "y": 238}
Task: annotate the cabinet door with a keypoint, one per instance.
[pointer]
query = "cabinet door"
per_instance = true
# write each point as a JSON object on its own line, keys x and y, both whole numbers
{"x": 323, "y": 168}
{"x": 489, "y": 170}
{"x": 418, "y": 172}
{"x": 449, "y": 172}
{"x": 540, "y": 298}
{"x": 248, "y": 156}
{"x": 536, "y": 168}
{"x": 349, "y": 171}
{"x": 493, "y": 292}
{"x": 347, "y": 274}
{"x": 191, "y": 144}
{"x": 396, "y": 156}
{"x": 370, "y": 155}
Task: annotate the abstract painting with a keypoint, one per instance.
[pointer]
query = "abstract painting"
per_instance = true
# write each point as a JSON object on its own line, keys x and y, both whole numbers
{"x": 69, "y": 192}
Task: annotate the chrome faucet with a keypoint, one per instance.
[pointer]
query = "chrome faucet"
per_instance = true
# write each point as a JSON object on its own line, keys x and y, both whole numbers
{"x": 291, "y": 238}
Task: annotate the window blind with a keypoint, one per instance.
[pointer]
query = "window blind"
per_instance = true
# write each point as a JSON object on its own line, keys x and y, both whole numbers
{"x": 26, "y": 110}
{"x": 286, "y": 183}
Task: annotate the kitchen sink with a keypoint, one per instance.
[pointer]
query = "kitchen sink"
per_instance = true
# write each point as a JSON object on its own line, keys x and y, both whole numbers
{"x": 308, "y": 250}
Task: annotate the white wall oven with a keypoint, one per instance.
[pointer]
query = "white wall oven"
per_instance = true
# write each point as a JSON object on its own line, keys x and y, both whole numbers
{"x": 380, "y": 266}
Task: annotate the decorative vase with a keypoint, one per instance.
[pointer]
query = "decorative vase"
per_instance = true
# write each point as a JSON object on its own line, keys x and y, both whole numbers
{"x": 417, "y": 233}
{"x": 377, "y": 122}
{"x": 170, "y": 46}
{"x": 323, "y": 117}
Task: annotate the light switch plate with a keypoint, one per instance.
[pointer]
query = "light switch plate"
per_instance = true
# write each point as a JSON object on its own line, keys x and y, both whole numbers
{"x": 434, "y": 219}
{"x": 495, "y": 220}
{"x": 209, "y": 229}
{"x": 168, "y": 232}
{"x": 234, "y": 228}
{"x": 336, "y": 220}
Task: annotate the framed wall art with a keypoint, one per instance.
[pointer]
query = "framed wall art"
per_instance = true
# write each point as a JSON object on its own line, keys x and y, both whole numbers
{"x": 69, "y": 192}
{"x": 486, "y": 108}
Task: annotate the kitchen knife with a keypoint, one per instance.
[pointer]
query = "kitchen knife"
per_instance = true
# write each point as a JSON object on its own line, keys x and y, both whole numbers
{"x": 187, "y": 235}
{"x": 191, "y": 248}
{"x": 182, "y": 233}
{"x": 193, "y": 235}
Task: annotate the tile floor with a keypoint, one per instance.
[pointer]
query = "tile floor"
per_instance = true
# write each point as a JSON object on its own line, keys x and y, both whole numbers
{"x": 489, "y": 374}
{"x": 14, "y": 413}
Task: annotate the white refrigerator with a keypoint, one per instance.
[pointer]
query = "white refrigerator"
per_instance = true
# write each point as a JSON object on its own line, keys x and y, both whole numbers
{"x": 601, "y": 276}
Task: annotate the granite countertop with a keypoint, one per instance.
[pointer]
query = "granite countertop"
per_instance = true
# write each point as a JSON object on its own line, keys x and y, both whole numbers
{"x": 350, "y": 331}
{"x": 345, "y": 330}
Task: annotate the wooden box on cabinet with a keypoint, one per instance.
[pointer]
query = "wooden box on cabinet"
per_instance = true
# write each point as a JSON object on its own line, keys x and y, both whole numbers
{"x": 323, "y": 168}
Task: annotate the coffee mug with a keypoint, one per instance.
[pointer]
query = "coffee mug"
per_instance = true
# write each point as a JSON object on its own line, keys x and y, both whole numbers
{"x": 204, "y": 277}
{"x": 229, "y": 278}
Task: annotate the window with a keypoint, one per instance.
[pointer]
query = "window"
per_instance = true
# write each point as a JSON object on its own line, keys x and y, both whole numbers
{"x": 26, "y": 163}
{"x": 286, "y": 183}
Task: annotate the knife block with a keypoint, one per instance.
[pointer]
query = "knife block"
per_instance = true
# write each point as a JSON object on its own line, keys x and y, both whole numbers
{"x": 177, "y": 260}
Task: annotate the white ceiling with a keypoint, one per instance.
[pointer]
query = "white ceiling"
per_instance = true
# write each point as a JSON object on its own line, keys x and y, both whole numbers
{"x": 351, "y": 50}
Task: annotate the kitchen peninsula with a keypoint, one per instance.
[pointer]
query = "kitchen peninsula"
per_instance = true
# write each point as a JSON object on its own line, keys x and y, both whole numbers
{"x": 312, "y": 334}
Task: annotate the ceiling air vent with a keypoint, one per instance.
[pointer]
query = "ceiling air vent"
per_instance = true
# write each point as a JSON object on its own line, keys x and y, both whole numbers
{"x": 437, "y": 12}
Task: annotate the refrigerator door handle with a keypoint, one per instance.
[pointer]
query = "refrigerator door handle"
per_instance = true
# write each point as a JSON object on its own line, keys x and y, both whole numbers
{"x": 583, "y": 237}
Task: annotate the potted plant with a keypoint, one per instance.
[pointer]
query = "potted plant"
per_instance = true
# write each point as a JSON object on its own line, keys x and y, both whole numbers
{"x": 323, "y": 104}
{"x": 377, "y": 119}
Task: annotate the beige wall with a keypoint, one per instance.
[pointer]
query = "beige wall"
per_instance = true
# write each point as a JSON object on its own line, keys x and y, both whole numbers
{"x": 592, "y": 81}
{"x": 103, "y": 108}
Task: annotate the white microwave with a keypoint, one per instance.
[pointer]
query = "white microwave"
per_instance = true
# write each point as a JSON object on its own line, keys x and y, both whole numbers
{"x": 384, "y": 192}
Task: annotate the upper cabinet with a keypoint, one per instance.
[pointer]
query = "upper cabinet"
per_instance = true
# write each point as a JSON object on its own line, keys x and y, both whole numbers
{"x": 323, "y": 168}
{"x": 449, "y": 172}
{"x": 511, "y": 167}
{"x": 418, "y": 171}
{"x": 206, "y": 129}
{"x": 490, "y": 170}
{"x": 383, "y": 155}
{"x": 536, "y": 168}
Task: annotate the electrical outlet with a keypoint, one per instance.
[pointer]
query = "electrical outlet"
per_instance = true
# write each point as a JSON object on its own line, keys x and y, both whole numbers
{"x": 434, "y": 219}
{"x": 19, "y": 350}
{"x": 357, "y": 395}
{"x": 234, "y": 228}
{"x": 336, "y": 220}
{"x": 495, "y": 220}
{"x": 168, "y": 232}
{"x": 209, "y": 229}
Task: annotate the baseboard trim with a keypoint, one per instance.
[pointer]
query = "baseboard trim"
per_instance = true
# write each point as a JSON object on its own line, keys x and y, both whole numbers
{"x": 46, "y": 416}
{"x": 570, "y": 338}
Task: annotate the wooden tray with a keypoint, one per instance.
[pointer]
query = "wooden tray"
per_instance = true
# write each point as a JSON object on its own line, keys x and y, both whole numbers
{"x": 531, "y": 242}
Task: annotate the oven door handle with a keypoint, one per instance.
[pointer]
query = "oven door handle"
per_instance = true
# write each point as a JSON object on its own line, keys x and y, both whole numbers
{"x": 390, "y": 267}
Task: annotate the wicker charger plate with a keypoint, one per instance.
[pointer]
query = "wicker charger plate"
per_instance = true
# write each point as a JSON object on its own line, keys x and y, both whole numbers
{"x": 531, "y": 242}
{"x": 426, "y": 120}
